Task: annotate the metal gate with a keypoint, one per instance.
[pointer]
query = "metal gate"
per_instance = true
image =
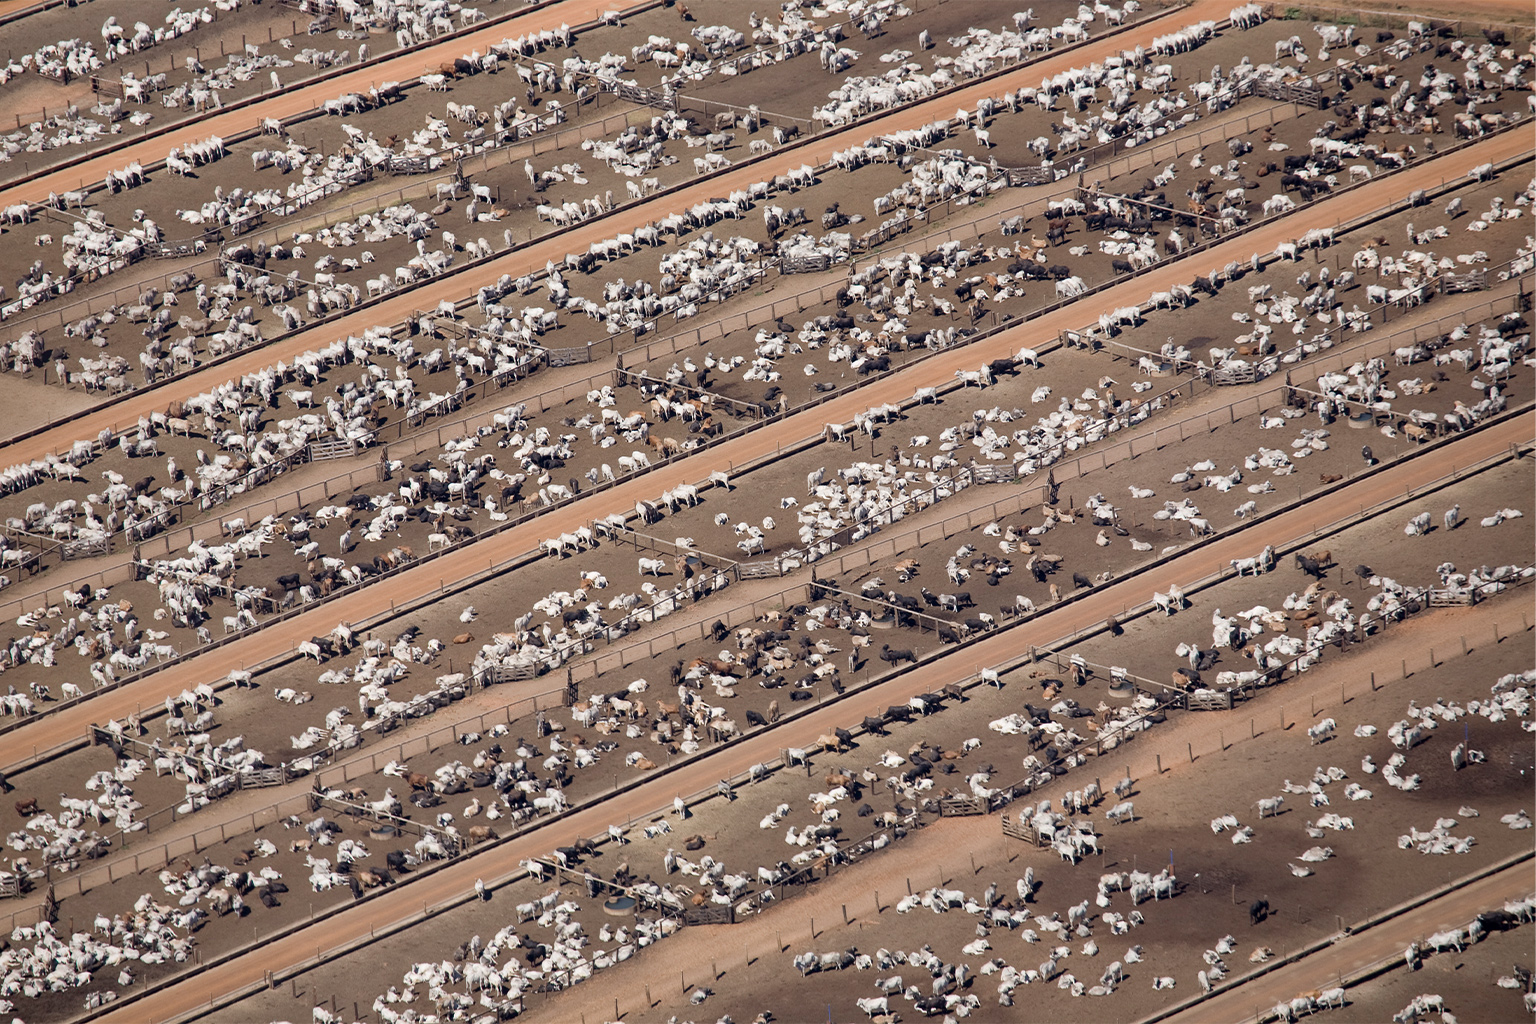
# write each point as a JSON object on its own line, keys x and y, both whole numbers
{"x": 261, "y": 778}
{"x": 1302, "y": 95}
{"x": 1208, "y": 700}
{"x": 1012, "y": 826}
{"x": 320, "y": 451}
{"x": 1018, "y": 176}
{"x": 805, "y": 264}
{"x": 74, "y": 549}
{"x": 1230, "y": 376}
{"x": 408, "y": 165}
{"x": 645, "y": 97}
{"x": 567, "y": 356}
{"x": 1002, "y": 473}
{"x": 508, "y": 673}
{"x": 956, "y": 806}
{"x": 1472, "y": 281}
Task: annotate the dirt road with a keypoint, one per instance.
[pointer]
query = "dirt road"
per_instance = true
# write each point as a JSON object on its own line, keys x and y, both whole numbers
{"x": 71, "y": 724}
{"x": 457, "y": 880}
{"x": 818, "y": 151}
{"x": 1374, "y": 194}
{"x": 289, "y": 102}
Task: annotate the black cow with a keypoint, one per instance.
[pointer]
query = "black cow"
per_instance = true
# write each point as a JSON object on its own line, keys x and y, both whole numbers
{"x": 1310, "y": 566}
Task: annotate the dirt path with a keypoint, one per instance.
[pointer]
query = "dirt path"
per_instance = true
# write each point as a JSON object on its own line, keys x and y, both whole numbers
{"x": 456, "y": 881}
{"x": 534, "y": 257}
{"x": 301, "y": 100}
{"x": 943, "y": 844}
{"x": 747, "y": 591}
{"x": 69, "y": 725}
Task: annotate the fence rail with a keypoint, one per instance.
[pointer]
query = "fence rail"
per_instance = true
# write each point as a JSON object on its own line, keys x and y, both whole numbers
{"x": 820, "y": 291}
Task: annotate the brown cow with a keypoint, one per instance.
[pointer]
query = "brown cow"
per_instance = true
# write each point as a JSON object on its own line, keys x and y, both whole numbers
{"x": 480, "y": 833}
{"x": 28, "y": 807}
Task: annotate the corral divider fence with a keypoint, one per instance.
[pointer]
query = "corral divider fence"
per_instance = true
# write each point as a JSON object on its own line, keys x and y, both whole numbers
{"x": 1114, "y": 146}
{"x": 106, "y": 573}
{"x": 453, "y": 844}
{"x": 302, "y": 218}
{"x": 641, "y": 896}
{"x": 1145, "y": 153}
{"x": 154, "y": 856}
{"x": 886, "y": 611}
{"x": 802, "y": 880}
{"x": 1422, "y": 294}
{"x": 334, "y": 71}
{"x": 155, "y": 530}
{"x": 1164, "y": 697}
{"x": 1320, "y": 363}
{"x": 638, "y": 379}
{"x": 1004, "y": 795}
{"x": 1358, "y": 16}
{"x": 373, "y": 761}
{"x": 1291, "y": 357}
{"x": 810, "y": 127}
{"x": 83, "y": 880}
{"x": 427, "y": 188}
{"x": 1139, "y": 156}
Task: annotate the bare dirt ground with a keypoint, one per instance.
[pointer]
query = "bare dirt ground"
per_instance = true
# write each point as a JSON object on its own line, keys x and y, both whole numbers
{"x": 725, "y": 829}
{"x": 1084, "y": 548}
{"x": 1175, "y": 806}
{"x": 1467, "y": 982}
{"x": 1251, "y": 874}
{"x": 1068, "y": 373}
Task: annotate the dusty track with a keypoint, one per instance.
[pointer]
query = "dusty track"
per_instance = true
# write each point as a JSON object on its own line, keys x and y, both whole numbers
{"x": 456, "y": 880}
{"x": 289, "y": 102}
{"x": 70, "y": 725}
{"x": 943, "y": 843}
{"x": 534, "y": 257}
